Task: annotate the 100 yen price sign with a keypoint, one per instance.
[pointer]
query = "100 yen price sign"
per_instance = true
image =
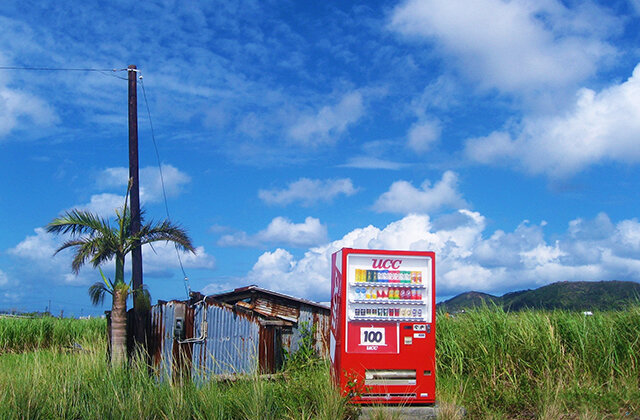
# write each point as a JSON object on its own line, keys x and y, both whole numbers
{"x": 372, "y": 336}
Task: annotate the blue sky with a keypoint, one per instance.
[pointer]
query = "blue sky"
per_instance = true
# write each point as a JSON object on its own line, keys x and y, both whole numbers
{"x": 501, "y": 135}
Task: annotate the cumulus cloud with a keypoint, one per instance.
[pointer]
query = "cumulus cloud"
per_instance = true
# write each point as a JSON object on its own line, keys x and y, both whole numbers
{"x": 601, "y": 126}
{"x": 513, "y": 46}
{"x": 330, "y": 121}
{"x": 281, "y": 231}
{"x": 103, "y": 204}
{"x": 308, "y": 191}
{"x": 404, "y": 198}
{"x": 150, "y": 181}
{"x": 39, "y": 249}
{"x": 468, "y": 257}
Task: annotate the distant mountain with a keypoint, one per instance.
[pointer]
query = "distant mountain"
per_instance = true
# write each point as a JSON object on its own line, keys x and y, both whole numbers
{"x": 569, "y": 295}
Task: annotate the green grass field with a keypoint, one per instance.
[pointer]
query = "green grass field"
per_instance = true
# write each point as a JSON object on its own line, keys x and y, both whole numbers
{"x": 546, "y": 365}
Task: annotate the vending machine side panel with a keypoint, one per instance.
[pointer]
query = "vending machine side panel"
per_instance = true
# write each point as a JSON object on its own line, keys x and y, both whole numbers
{"x": 337, "y": 317}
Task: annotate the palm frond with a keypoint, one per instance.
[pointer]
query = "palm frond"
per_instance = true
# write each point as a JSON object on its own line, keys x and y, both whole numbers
{"x": 108, "y": 283}
{"x": 78, "y": 222}
{"x": 97, "y": 291}
{"x": 165, "y": 231}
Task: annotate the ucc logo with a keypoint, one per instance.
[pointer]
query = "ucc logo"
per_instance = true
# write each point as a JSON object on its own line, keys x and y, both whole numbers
{"x": 387, "y": 264}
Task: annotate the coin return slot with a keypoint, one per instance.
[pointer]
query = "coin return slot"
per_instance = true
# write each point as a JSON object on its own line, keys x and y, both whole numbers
{"x": 427, "y": 373}
{"x": 390, "y": 377}
{"x": 390, "y": 396}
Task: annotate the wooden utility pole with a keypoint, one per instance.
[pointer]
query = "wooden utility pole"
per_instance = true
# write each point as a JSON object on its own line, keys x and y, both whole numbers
{"x": 134, "y": 203}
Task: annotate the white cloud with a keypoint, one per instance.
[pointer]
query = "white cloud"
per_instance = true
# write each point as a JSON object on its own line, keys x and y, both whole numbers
{"x": 467, "y": 257}
{"x": 329, "y": 122}
{"x": 600, "y": 127}
{"x": 19, "y": 108}
{"x": 513, "y": 46}
{"x": 423, "y": 135}
{"x": 162, "y": 256}
{"x": 39, "y": 250}
{"x": 103, "y": 204}
{"x": 150, "y": 181}
{"x": 4, "y": 279}
{"x": 281, "y": 231}
{"x": 368, "y": 162}
{"x": 403, "y": 197}
{"x": 308, "y": 191}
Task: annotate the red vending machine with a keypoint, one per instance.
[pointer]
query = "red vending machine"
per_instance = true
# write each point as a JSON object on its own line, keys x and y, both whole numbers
{"x": 383, "y": 325}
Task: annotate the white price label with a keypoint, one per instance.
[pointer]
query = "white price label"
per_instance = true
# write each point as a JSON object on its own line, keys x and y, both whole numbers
{"x": 372, "y": 336}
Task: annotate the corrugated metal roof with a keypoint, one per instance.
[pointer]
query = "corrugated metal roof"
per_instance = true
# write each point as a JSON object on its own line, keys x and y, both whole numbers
{"x": 253, "y": 288}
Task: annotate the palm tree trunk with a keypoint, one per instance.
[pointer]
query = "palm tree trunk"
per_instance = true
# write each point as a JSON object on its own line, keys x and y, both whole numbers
{"x": 119, "y": 325}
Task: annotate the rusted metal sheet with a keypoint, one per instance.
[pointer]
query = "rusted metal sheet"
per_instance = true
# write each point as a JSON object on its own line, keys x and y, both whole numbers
{"x": 163, "y": 320}
{"x": 311, "y": 319}
{"x": 272, "y": 308}
{"x": 229, "y": 341}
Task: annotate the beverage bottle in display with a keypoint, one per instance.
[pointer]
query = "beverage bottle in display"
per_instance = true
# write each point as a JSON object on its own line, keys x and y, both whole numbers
{"x": 419, "y": 277}
{"x": 368, "y": 293}
{"x": 375, "y": 277}
{"x": 397, "y": 293}
{"x": 374, "y": 293}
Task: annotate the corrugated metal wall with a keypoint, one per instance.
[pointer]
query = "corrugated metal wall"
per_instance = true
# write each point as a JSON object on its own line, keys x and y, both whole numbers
{"x": 231, "y": 342}
{"x": 221, "y": 339}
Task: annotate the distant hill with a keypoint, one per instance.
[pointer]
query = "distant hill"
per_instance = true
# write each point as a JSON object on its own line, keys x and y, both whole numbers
{"x": 569, "y": 295}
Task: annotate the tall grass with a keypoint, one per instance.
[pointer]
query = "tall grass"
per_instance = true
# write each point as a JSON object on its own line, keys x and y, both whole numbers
{"x": 52, "y": 384}
{"x": 540, "y": 364}
{"x": 24, "y": 334}
{"x": 545, "y": 365}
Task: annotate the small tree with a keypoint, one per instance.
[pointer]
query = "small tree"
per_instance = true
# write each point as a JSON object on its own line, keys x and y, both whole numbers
{"x": 94, "y": 240}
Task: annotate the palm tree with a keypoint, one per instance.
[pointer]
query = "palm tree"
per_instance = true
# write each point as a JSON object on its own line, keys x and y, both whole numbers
{"x": 96, "y": 241}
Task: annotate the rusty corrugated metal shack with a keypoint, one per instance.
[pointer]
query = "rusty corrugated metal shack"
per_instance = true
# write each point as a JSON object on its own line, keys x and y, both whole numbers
{"x": 244, "y": 331}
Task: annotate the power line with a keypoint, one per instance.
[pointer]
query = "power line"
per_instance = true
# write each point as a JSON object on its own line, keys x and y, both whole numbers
{"x": 58, "y": 69}
{"x": 164, "y": 193}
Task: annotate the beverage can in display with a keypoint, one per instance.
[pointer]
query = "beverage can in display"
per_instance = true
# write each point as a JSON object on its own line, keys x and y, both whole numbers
{"x": 374, "y": 277}
{"x": 414, "y": 313}
{"x": 368, "y": 293}
{"x": 420, "y": 313}
{"x": 419, "y": 277}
